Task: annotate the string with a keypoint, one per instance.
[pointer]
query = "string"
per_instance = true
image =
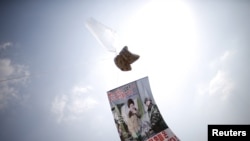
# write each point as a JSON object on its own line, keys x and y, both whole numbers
{"x": 117, "y": 72}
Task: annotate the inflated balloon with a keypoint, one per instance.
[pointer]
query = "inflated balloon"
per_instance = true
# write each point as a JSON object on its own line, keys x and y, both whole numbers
{"x": 108, "y": 39}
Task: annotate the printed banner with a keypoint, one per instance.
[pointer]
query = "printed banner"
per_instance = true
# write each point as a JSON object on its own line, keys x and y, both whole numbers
{"x": 136, "y": 115}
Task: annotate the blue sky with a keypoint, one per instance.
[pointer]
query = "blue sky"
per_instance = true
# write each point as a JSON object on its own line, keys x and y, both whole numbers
{"x": 54, "y": 75}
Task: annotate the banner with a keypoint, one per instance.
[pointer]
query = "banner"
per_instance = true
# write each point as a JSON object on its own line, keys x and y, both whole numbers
{"x": 136, "y": 115}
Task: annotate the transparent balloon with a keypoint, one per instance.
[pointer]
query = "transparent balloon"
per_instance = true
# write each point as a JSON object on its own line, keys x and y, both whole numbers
{"x": 108, "y": 38}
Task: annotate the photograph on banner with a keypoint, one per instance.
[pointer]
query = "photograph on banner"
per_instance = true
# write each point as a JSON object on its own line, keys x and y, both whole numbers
{"x": 136, "y": 114}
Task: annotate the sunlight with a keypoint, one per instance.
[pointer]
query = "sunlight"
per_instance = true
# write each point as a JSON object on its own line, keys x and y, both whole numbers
{"x": 163, "y": 30}
{"x": 163, "y": 33}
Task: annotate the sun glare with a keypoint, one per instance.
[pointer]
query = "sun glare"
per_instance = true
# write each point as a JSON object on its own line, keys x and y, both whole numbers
{"x": 163, "y": 30}
{"x": 163, "y": 34}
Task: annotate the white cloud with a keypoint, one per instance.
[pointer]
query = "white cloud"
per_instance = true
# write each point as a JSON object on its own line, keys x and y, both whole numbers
{"x": 6, "y": 68}
{"x": 221, "y": 84}
{"x": 79, "y": 89}
{"x": 68, "y": 107}
{"x": 58, "y": 106}
{"x": 5, "y": 45}
{"x": 12, "y": 76}
{"x": 225, "y": 56}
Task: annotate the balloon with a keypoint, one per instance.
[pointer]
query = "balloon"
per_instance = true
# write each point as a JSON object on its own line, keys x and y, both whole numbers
{"x": 104, "y": 35}
{"x": 108, "y": 39}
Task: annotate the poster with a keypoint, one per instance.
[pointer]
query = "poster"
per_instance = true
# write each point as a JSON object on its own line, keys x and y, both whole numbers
{"x": 136, "y": 115}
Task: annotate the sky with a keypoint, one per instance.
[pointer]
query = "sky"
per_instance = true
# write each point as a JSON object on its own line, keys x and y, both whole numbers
{"x": 54, "y": 75}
